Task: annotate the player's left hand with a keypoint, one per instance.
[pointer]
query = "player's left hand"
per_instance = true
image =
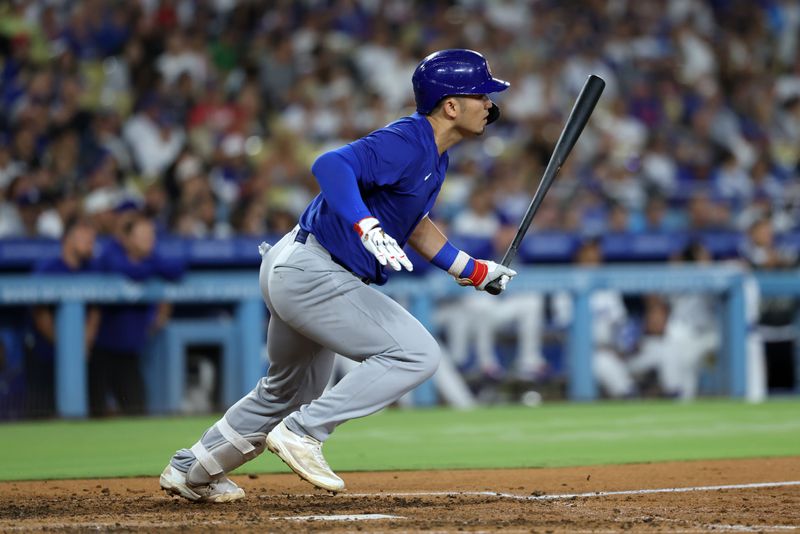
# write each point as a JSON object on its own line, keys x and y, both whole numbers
{"x": 485, "y": 272}
{"x": 381, "y": 245}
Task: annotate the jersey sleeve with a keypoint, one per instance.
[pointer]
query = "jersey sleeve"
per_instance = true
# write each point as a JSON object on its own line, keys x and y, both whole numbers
{"x": 336, "y": 172}
{"x": 384, "y": 157}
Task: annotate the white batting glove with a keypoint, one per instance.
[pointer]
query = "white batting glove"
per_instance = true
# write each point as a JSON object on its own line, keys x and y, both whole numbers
{"x": 485, "y": 272}
{"x": 381, "y": 245}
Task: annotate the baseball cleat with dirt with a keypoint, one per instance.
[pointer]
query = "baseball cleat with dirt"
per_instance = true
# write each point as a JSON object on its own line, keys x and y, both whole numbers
{"x": 303, "y": 454}
{"x": 173, "y": 482}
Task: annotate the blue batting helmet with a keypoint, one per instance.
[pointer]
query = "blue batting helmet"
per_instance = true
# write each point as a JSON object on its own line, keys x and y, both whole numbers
{"x": 454, "y": 72}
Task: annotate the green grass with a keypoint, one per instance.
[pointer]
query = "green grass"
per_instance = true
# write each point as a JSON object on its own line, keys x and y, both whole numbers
{"x": 550, "y": 435}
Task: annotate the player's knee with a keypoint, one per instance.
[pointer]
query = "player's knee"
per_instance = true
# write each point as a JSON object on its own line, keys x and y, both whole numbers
{"x": 425, "y": 356}
{"x": 432, "y": 363}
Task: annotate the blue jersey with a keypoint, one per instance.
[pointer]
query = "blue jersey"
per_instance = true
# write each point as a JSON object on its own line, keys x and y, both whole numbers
{"x": 41, "y": 346}
{"x": 57, "y": 266}
{"x": 125, "y": 327}
{"x": 399, "y": 173}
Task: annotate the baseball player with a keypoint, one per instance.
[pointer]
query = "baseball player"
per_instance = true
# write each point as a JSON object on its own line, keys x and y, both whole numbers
{"x": 317, "y": 283}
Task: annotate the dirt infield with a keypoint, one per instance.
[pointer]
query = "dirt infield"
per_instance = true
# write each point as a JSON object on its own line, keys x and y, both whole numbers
{"x": 522, "y": 500}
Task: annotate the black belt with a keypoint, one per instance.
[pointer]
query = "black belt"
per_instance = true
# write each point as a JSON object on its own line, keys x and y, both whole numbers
{"x": 302, "y": 237}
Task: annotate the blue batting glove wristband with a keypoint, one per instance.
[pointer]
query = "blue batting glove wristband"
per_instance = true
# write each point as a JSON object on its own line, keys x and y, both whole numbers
{"x": 454, "y": 261}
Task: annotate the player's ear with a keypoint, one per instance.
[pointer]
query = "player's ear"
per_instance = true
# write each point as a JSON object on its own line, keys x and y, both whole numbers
{"x": 451, "y": 107}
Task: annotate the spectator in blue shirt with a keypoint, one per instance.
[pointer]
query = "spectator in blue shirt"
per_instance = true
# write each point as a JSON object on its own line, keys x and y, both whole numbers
{"x": 77, "y": 250}
{"x": 125, "y": 329}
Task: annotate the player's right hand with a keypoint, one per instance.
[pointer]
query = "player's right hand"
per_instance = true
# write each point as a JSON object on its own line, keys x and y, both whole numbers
{"x": 381, "y": 245}
{"x": 485, "y": 272}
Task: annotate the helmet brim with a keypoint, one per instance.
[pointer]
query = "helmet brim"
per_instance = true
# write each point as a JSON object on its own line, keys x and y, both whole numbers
{"x": 492, "y": 85}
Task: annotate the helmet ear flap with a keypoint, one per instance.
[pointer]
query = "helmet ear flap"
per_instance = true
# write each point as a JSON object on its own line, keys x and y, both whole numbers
{"x": 494, "y": 114}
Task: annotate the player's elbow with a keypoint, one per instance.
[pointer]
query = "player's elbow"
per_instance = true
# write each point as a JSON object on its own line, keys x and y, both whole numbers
{"x": 322, "y": 163}
{"x": 333, "y": 164}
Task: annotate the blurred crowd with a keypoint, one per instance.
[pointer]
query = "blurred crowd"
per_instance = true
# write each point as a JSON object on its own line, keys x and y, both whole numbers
{"x": 206, "y": 114}
{"x": 201, "y": 118}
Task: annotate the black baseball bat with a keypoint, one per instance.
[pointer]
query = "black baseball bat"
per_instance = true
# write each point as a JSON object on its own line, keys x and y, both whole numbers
{"x": 577, "y": 120}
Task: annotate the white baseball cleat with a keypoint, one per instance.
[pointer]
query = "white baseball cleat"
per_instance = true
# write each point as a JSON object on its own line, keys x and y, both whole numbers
{"x": 222, "y": 490}
{"x": 304, "y": 455}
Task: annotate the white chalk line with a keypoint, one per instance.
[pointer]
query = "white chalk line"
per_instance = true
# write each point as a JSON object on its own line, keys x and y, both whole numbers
{"x": 565, "y": 496}
{"x": 343, "y": 517}
{"x": 725, "y": 526}
{"x": 750, "y": 528}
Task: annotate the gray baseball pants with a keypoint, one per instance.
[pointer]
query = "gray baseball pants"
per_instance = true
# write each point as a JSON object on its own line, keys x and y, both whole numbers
{"x": 317, "y": 308}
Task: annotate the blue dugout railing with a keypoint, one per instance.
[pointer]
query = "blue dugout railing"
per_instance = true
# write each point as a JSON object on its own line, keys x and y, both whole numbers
{"x": 71, "y": 293}
{"x": 21, "y": 254}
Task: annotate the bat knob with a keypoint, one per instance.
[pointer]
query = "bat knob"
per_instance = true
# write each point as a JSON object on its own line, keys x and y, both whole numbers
{"x": 493, "y": 287}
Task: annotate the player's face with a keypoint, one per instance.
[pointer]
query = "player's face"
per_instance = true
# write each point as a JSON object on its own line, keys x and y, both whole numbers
{"x": 82, "y": 240}
{"x": 143, "y": 237}
{"x": 474, "y": 113}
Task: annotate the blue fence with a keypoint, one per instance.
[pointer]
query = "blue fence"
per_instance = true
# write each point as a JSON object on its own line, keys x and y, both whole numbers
{"x": 243, "y": 336}
{"x": 539, "y": 247}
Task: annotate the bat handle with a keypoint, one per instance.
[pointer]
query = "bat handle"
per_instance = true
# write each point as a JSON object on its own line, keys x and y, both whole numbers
{"x": 493, "y": 287}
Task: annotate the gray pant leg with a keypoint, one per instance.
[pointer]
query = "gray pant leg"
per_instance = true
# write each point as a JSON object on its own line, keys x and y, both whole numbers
{"x": 327, "y": 304}
{"x": 299, "y": 371}
{"x": 318, "y": 308}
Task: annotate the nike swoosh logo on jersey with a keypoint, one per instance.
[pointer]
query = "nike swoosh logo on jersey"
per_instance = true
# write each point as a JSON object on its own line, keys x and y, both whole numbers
{"x": 429, "y": 175}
